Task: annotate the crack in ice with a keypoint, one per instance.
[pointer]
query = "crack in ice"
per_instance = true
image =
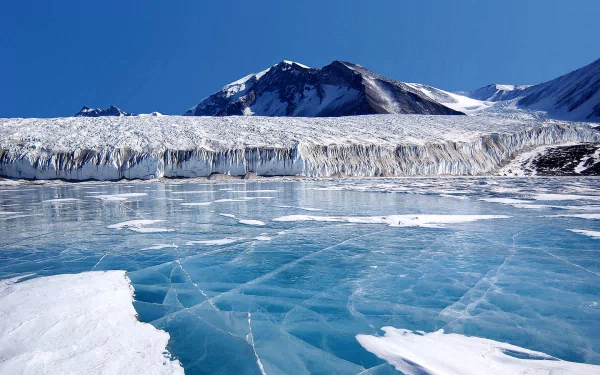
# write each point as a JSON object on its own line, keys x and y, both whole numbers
{"x": 196, "y": 285}
{"x": 250, "y": 339}
{"x": 286, "y": 266}
{"x": 466, "y": 313}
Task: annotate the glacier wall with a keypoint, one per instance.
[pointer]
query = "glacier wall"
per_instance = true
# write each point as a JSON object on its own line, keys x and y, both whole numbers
{"x": 478, "y": 155}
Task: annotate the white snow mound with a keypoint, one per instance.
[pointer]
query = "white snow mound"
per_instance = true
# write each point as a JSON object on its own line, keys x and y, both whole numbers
{"x": 437, "y": 353}
{"x": 78, "y": 324}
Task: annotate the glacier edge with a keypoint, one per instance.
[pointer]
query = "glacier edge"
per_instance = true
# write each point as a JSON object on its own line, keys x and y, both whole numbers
{"x": 479, "y": 153}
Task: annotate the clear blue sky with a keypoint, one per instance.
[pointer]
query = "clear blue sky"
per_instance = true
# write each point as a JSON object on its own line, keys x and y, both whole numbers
{"x": 157, "y": 55}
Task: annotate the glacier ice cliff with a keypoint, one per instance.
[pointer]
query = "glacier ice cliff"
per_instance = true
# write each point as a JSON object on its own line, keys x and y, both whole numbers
{"x": 176, "y": 146}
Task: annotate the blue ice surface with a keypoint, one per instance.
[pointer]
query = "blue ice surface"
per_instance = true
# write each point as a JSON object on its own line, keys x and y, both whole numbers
{"x": 294, "y": 303}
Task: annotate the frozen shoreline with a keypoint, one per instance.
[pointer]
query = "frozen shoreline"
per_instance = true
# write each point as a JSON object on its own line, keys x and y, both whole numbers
{"x": 224, "y": 179}
{"x": 14, "y": 182}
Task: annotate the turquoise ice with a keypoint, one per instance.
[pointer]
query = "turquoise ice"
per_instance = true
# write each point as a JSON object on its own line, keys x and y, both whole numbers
{"x": 280, "y": 276}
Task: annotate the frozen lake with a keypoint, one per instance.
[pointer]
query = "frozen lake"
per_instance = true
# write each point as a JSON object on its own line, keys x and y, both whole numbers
{"x": 280, "y": 277}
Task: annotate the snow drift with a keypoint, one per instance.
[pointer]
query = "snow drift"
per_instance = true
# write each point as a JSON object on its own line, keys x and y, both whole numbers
{"x": 436, "y": 353}
{"x": 112, "y": 148}
{"x": 78, "y": 324}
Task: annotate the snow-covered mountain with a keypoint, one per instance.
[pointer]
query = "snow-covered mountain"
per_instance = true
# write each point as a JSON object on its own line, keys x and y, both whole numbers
{"x": 495, "y": 92}
{"x": 338, "y": 89}
{"x": 455, "y": 101}
{"x": 574, "y": 96}
{"x": 97, "y": 112}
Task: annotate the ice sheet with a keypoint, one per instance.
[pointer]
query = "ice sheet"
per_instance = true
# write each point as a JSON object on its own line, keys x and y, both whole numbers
{"x": 315, "y": 285}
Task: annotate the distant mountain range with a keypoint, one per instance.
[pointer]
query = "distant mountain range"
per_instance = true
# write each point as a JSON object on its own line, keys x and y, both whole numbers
{"x": 97, "y": 112}
{"x": 574, "y": 96}
{"x": 110, "y": 111}
{"x": 495, "y": 92}
{"x": 345, "y": 89}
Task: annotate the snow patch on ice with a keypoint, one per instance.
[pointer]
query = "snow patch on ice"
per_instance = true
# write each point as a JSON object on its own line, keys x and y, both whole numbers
{"x": 436, "y": 353}
{"x": 461, "y": 197}
{"x": 161, "y": 246}
{"x": 301, "y": 208}
{"x": 578, "y": 216}
{"x": 222, "y": 241}
{"x": 61, "y": 200}
{"x": 139, "y": 226}
{"x": 117, "y": 197}
{"x": 9, "y": 213}
{"x": 244, "y": 221}
{"x": 589, "y": 233}
{"x": 521, "y": 203}
{"x": 197, "y": 204}
{"x": 432, "y": 221}
{"x": 251, "y": 222}
{"x": 252, "y": 191}
{"x": 564, "y": 197}
{"x": 132, "y": 224}
{"x": 82, "y": 323}
{"x": 194, "y": 192}
{"x": 506, "y": 200}
{"x": 149, "y": 230}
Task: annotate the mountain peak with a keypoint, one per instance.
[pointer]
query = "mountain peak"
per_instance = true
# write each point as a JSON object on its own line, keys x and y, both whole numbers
{"x": 338, "y": 89}
{"x": 289, "y": 62}
{"x": 97, "y": 112}
{"x": 574, "y": 96}
{"x": 510, "y": 87}
{"x": 342, "y": 64}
